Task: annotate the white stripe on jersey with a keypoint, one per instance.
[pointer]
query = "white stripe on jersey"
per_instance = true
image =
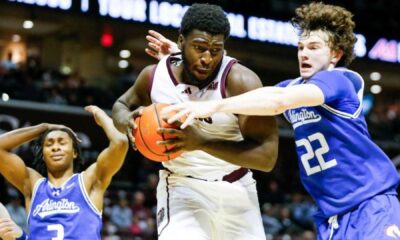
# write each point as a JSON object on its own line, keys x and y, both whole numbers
{"x": 35, "y": 188}
{"x": 165, "y": 89}
{"x": 359, "y": 94}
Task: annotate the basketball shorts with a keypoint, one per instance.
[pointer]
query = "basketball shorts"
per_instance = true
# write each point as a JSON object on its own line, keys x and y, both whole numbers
{"x": 196, "y": 209}
{"x": 377, "y": 218}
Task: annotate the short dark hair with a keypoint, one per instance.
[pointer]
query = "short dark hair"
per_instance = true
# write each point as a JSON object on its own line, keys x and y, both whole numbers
{"x": 337, "y": 21}
{"x": 205, "y": 17}
{"x": 38, "y": 162}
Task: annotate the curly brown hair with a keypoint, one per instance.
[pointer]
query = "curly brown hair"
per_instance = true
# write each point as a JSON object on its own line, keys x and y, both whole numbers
{"x": 335, "y": 20}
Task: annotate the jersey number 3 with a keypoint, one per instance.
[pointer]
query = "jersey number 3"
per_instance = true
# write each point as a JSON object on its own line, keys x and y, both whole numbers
{"x": 311, "y": 153}
{"x": 57, "y": 228}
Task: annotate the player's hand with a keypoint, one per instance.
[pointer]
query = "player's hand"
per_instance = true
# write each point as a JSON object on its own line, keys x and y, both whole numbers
{"x": 130, "y": 125}
{"x": 159, "y": 46}
{"x": 190, "y": 110}
{"x": 99, "y": 115}
{"x": 51, "y": 126}
{"x": 188, "y": 139}
{"x": 9, "y": 230}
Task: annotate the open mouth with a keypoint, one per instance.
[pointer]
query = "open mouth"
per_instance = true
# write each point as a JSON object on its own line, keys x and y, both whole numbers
{"x": 305, "y": 65}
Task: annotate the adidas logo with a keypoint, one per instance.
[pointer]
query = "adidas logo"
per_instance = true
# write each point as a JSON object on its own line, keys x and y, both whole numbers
{"x": 187, "y": 91}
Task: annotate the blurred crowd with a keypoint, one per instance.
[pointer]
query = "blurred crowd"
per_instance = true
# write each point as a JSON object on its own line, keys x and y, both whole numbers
{"x": 32, "y": 83}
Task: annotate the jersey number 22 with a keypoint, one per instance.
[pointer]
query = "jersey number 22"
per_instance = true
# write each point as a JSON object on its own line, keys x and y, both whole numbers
{"x": 311, "y": 153}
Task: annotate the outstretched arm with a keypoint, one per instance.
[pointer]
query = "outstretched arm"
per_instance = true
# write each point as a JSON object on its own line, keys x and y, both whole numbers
{"x": 160, "y": 46}
{"x": 266, "y": 101}
{"x": 98, "y": 176}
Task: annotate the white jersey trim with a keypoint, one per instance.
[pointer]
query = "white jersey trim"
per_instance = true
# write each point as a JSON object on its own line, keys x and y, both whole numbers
{"x": 359, "y": 95}
{"x": 35, "y": 189}
{"x": 86, "y": 196}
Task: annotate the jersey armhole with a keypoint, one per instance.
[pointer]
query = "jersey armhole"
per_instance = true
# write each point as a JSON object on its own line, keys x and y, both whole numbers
{"x": 35, "y": 189}
{"x": 86, "y": 196}
{"x": 224, "y": 77}
{"x": 151, "y": 79}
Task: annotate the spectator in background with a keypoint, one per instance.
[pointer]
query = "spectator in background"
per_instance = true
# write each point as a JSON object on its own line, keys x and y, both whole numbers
{"x": 272, "y": 225}
{"x": 17, "y": 211}
{"x": 121, "y": 215}
{"x": 150, "y": 193}
{"x": 138, "y": 207}
{"x": 7, "y": 64}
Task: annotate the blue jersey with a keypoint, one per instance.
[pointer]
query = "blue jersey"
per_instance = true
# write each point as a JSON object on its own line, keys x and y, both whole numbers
{"x": 340, "y": 166}
{"x": 63, "y": 213}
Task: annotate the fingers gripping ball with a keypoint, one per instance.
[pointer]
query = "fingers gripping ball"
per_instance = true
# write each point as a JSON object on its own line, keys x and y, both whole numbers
{"x": 146, "y": 135}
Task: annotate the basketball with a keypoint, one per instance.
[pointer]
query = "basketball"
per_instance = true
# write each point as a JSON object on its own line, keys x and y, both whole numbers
{"x": 146, "y": 135}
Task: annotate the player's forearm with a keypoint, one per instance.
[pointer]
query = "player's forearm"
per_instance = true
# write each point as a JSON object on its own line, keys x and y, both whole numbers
{"x": 20, "y": 136}
{"x": 120, "y": 111}
{"x": 265, "y": 101}
{"x": 268, "y": 101}
{"x": 247, "y": 153}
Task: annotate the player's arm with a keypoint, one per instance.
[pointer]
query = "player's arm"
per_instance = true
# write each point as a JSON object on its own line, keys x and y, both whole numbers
{"x": 266, "y": 101}
{"x": 273, "y": 100}
{"x": 159, "y": 46}
{"x": 127, "y": 107}
{"x": 98, "y": 176}
{"x": 259, "y": 148}
{"x": 12, "y": 167}
{"x": 9, "y": 230}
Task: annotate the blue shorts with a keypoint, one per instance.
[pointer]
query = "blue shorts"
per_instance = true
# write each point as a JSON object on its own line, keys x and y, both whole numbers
{"x": 377, "y": 218}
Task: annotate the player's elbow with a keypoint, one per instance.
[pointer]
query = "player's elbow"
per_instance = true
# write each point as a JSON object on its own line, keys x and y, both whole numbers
{"x": 269, "y": 155}
{"x": 121, "y": 142}
{"x": 269, "y": 162}
{"x": 280, "y": 106}
{"x": 119, "y": 126}
{"x": 116, "y": 118}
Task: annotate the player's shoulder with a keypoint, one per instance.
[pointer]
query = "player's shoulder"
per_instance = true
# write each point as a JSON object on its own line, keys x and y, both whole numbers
{"x": 242, "y": 79}
{"x": 342, "y": 76}
{"x": 289, "y": 82}
{"x": 339, "y": 72}
{"x": 239, "y": 72}
{"x": 149, "y": 68}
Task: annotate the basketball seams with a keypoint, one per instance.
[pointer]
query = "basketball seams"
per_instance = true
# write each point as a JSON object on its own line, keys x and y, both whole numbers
{"x": 146, "y": 134}
{"x": 143, "y": 139}
{"x": 159, "y": 125}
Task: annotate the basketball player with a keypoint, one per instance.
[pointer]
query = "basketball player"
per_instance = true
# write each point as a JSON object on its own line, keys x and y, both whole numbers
{"x": 200, "y": 195}
{"x": 352, "y": 181}
{"x": 9, "y": 230}
{"x": 63, "y": 204}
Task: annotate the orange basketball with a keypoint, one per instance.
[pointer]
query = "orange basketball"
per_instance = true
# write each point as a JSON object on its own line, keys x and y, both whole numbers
{"x": 146, "y": 135}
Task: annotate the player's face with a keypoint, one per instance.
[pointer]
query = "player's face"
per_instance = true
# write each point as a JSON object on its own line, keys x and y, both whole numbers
{"x": 58, "y": 151}
{"x": 314, "y": 53}
{"x": 202, "y": 53}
